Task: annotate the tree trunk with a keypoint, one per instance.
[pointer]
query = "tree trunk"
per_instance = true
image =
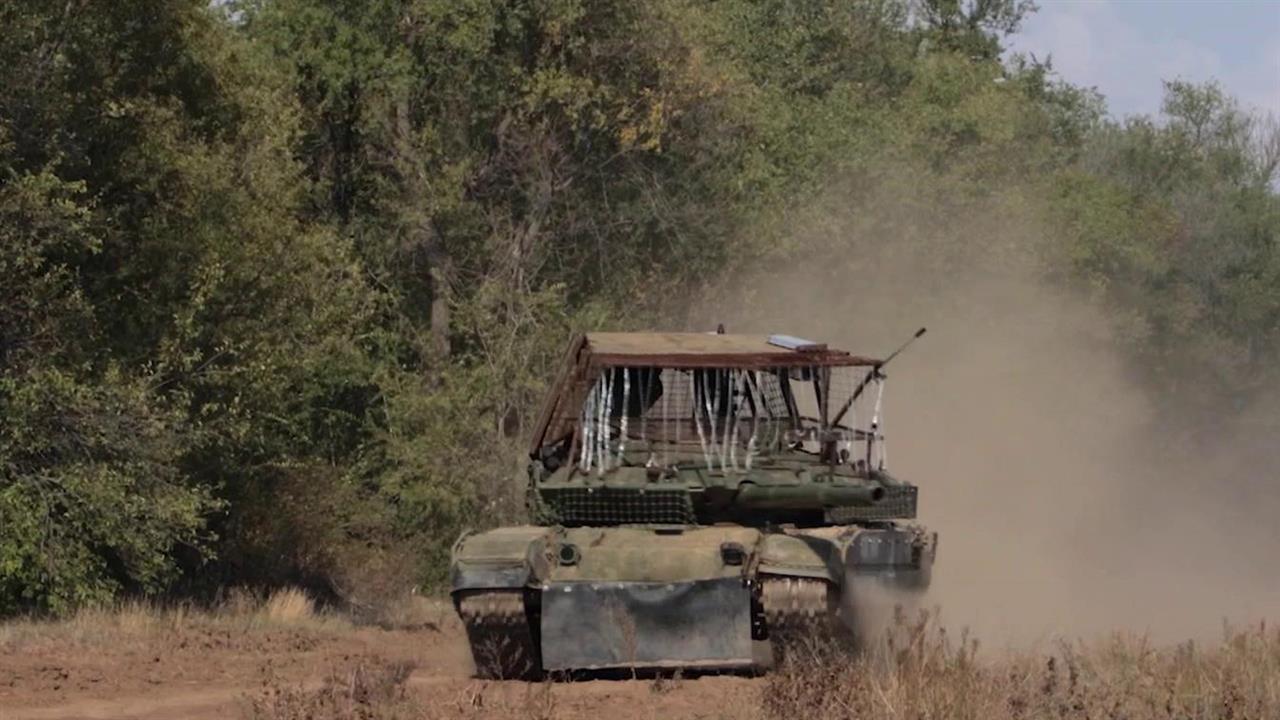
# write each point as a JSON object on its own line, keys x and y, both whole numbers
{"x": 423, "y": 236}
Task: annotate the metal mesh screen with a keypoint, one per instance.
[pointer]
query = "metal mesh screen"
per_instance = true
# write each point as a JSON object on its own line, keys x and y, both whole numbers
{"x": 899, "y": 503}
{"x": 601, "y": 505}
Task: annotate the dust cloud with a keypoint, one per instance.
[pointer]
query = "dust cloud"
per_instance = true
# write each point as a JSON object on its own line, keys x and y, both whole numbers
{"x": 1064, "y": 505}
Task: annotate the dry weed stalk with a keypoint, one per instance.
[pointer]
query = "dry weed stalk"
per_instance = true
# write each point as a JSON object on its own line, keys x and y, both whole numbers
{"x": 371, "y": 689}
{"x": 917, "y": 672}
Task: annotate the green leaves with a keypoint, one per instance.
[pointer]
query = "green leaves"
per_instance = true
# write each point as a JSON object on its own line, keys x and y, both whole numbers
{"x": 282, "y": 281}
{"x": 1176, "y": 221}
{"x": 170, "y": 329}
{"x": 91, "y": 497}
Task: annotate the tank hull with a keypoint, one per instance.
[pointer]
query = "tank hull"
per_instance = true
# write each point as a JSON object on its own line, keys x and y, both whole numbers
{"x": 538, "y": 599}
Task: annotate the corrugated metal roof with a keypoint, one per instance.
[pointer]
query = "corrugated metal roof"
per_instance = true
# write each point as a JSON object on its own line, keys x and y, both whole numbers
{"x": 709, "y": 350}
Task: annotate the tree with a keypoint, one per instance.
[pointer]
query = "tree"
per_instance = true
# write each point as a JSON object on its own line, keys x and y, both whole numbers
{"x": 1176, "y": 222}
{"x": 173, "y": 337}
{"x": 974, "y": 28}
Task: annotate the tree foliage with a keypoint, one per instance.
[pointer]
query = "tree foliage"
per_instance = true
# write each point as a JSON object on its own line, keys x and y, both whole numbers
{"x": 283, "y": 279}
{"x": 1176, "y": 221}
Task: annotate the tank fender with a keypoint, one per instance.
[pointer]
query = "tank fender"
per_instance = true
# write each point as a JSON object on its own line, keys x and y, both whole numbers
{"x": 800, "y": 556}
{"x": 511, "y": 557}
{"x": 891, "y": 547}
{"x": 901, "y": 556}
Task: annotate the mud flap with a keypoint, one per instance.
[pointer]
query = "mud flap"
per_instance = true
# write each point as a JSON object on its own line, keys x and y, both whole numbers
{"x": 704, "y": 623}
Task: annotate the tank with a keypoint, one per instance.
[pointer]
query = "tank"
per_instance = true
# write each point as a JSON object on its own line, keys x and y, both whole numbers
{"x": 697, "y": 501}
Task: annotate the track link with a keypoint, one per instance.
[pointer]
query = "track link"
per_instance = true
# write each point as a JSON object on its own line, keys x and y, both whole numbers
{"x": 500, "y": 635}
{"x": 797, "y": 609}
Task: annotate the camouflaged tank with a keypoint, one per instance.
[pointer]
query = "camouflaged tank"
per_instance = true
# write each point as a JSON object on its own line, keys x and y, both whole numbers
{"x": 700, "y": 500}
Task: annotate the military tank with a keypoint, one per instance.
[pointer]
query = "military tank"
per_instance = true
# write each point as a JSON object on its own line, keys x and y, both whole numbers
{"x": 698, "y": 501}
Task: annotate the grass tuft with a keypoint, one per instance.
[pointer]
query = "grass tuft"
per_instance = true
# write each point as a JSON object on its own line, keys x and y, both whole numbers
{"x": 288, "y": 606}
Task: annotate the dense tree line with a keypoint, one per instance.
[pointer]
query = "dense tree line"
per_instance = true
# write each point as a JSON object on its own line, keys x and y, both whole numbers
{"x": 280, "y": 280}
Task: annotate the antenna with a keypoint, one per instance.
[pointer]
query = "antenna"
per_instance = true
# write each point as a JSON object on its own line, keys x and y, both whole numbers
{"x": 874, "y": 375}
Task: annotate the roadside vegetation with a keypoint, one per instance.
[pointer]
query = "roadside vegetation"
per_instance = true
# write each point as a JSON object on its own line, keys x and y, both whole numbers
{"x": 281, "y": 280}
{"x": 247, "y": 646}
{"x": 141, "y": 624}
{"x": 148, "y": 624}
{"x": 919, "y": 671}
{"x": 916, "y": 671}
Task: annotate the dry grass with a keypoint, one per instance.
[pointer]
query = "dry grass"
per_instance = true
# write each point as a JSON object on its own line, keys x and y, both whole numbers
{"x": 410, "y": 611}
{"x": 137, "y": 623}
{"x": 289, "y": 606}
{"x": 95, "y": 626}
{"x": 915, "y": 671}
{"x": 371, "y": 689}
{"x": 918, "y": 672}
{"x": 485, "y": 701}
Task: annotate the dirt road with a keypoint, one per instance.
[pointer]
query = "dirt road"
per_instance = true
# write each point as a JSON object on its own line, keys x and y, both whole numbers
{"x": 201, "y": 670}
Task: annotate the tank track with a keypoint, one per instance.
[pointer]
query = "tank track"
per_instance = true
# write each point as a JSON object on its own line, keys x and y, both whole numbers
{"x": 797, "y": 609}
{"x": 500, "y": 634}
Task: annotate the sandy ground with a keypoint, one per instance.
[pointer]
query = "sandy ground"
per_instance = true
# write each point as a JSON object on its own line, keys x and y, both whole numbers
{"x": 208, "y": 670}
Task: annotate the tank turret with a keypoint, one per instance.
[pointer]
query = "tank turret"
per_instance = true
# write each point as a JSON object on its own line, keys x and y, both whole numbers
{"x": 674, "y": 428}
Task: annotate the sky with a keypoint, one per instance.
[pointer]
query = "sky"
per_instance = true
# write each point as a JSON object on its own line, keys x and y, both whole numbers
{"x": 1125, "y": 48}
